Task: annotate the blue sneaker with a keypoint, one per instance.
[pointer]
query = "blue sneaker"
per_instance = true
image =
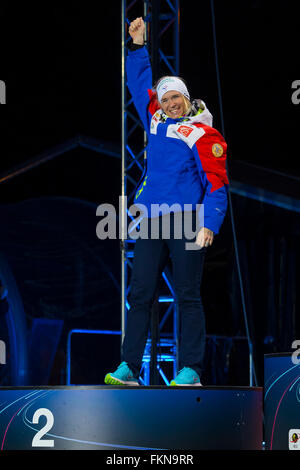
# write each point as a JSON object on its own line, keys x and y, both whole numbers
{"x": 187, "y": 377}
{"x": 122, "y": 376}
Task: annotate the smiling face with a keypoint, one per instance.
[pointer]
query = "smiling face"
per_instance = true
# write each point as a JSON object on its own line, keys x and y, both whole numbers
{"x": 173, "y": 104}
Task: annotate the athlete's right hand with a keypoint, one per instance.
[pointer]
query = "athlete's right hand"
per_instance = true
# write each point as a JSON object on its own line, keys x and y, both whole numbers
{"x": 137, "y": 30}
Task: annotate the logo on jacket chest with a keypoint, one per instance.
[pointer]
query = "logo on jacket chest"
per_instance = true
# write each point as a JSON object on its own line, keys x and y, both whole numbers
{"x": 184, "y": 132}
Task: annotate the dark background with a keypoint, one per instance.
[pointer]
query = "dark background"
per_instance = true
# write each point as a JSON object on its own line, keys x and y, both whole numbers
{"x": 62, "y": 69}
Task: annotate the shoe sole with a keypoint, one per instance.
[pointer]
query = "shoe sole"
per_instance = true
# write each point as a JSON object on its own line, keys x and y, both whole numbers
{"x": 110, "y": 380}
{"x": 174, "y": 384}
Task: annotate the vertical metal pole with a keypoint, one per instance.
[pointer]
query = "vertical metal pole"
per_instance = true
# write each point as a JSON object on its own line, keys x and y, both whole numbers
{"x": 176, "y": 37}
{"x": 155, "y": 42}
{"x": 123, "y": 181}
{"x": 146, "y": 38}
{"x": 176, "y": 65}
{"x": 176, "y": 338}
{"x": 250, "y": 364}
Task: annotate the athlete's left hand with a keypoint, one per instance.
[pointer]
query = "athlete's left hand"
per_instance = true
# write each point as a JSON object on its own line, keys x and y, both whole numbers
{"x": 205, "y": 237}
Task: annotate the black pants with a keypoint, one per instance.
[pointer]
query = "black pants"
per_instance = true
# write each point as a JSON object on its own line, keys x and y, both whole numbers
{"x": 150, "y": 258}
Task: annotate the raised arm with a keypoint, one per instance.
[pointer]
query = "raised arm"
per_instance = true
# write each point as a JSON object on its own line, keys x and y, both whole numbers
{"x": 139, "y": 73}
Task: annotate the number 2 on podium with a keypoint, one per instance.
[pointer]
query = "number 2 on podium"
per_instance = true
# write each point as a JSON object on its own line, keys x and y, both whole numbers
{"x": 37, "y": 441}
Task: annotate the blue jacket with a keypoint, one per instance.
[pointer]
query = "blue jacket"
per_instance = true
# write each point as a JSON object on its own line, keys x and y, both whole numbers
{"x": 186, "y": 157}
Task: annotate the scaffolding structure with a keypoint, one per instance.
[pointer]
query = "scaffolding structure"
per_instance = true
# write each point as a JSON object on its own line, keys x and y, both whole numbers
{"x": 162, "y": 40}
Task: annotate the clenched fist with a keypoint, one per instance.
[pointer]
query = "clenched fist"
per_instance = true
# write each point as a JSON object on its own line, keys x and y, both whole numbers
{"x": 137, "y": 30}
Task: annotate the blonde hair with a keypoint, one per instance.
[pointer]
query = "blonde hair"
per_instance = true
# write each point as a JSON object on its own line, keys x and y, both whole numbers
{"x": 188, "y": 105}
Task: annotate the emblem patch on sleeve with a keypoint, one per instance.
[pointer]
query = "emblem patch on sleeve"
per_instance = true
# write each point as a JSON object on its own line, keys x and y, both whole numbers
{"x": 217, "y": 150}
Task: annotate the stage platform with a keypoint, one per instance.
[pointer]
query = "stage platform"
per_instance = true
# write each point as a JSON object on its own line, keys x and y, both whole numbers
{"x": 282, "y": 401}
{"x": 130, "y": 418}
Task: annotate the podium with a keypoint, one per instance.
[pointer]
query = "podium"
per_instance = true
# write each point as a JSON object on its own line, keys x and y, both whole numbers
{"x": 282, "y": 401}
{"x": 131, "y": 418}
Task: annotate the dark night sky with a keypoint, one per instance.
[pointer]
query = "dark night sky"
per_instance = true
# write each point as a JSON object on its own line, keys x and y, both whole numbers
{"x": 62, "y": 69}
